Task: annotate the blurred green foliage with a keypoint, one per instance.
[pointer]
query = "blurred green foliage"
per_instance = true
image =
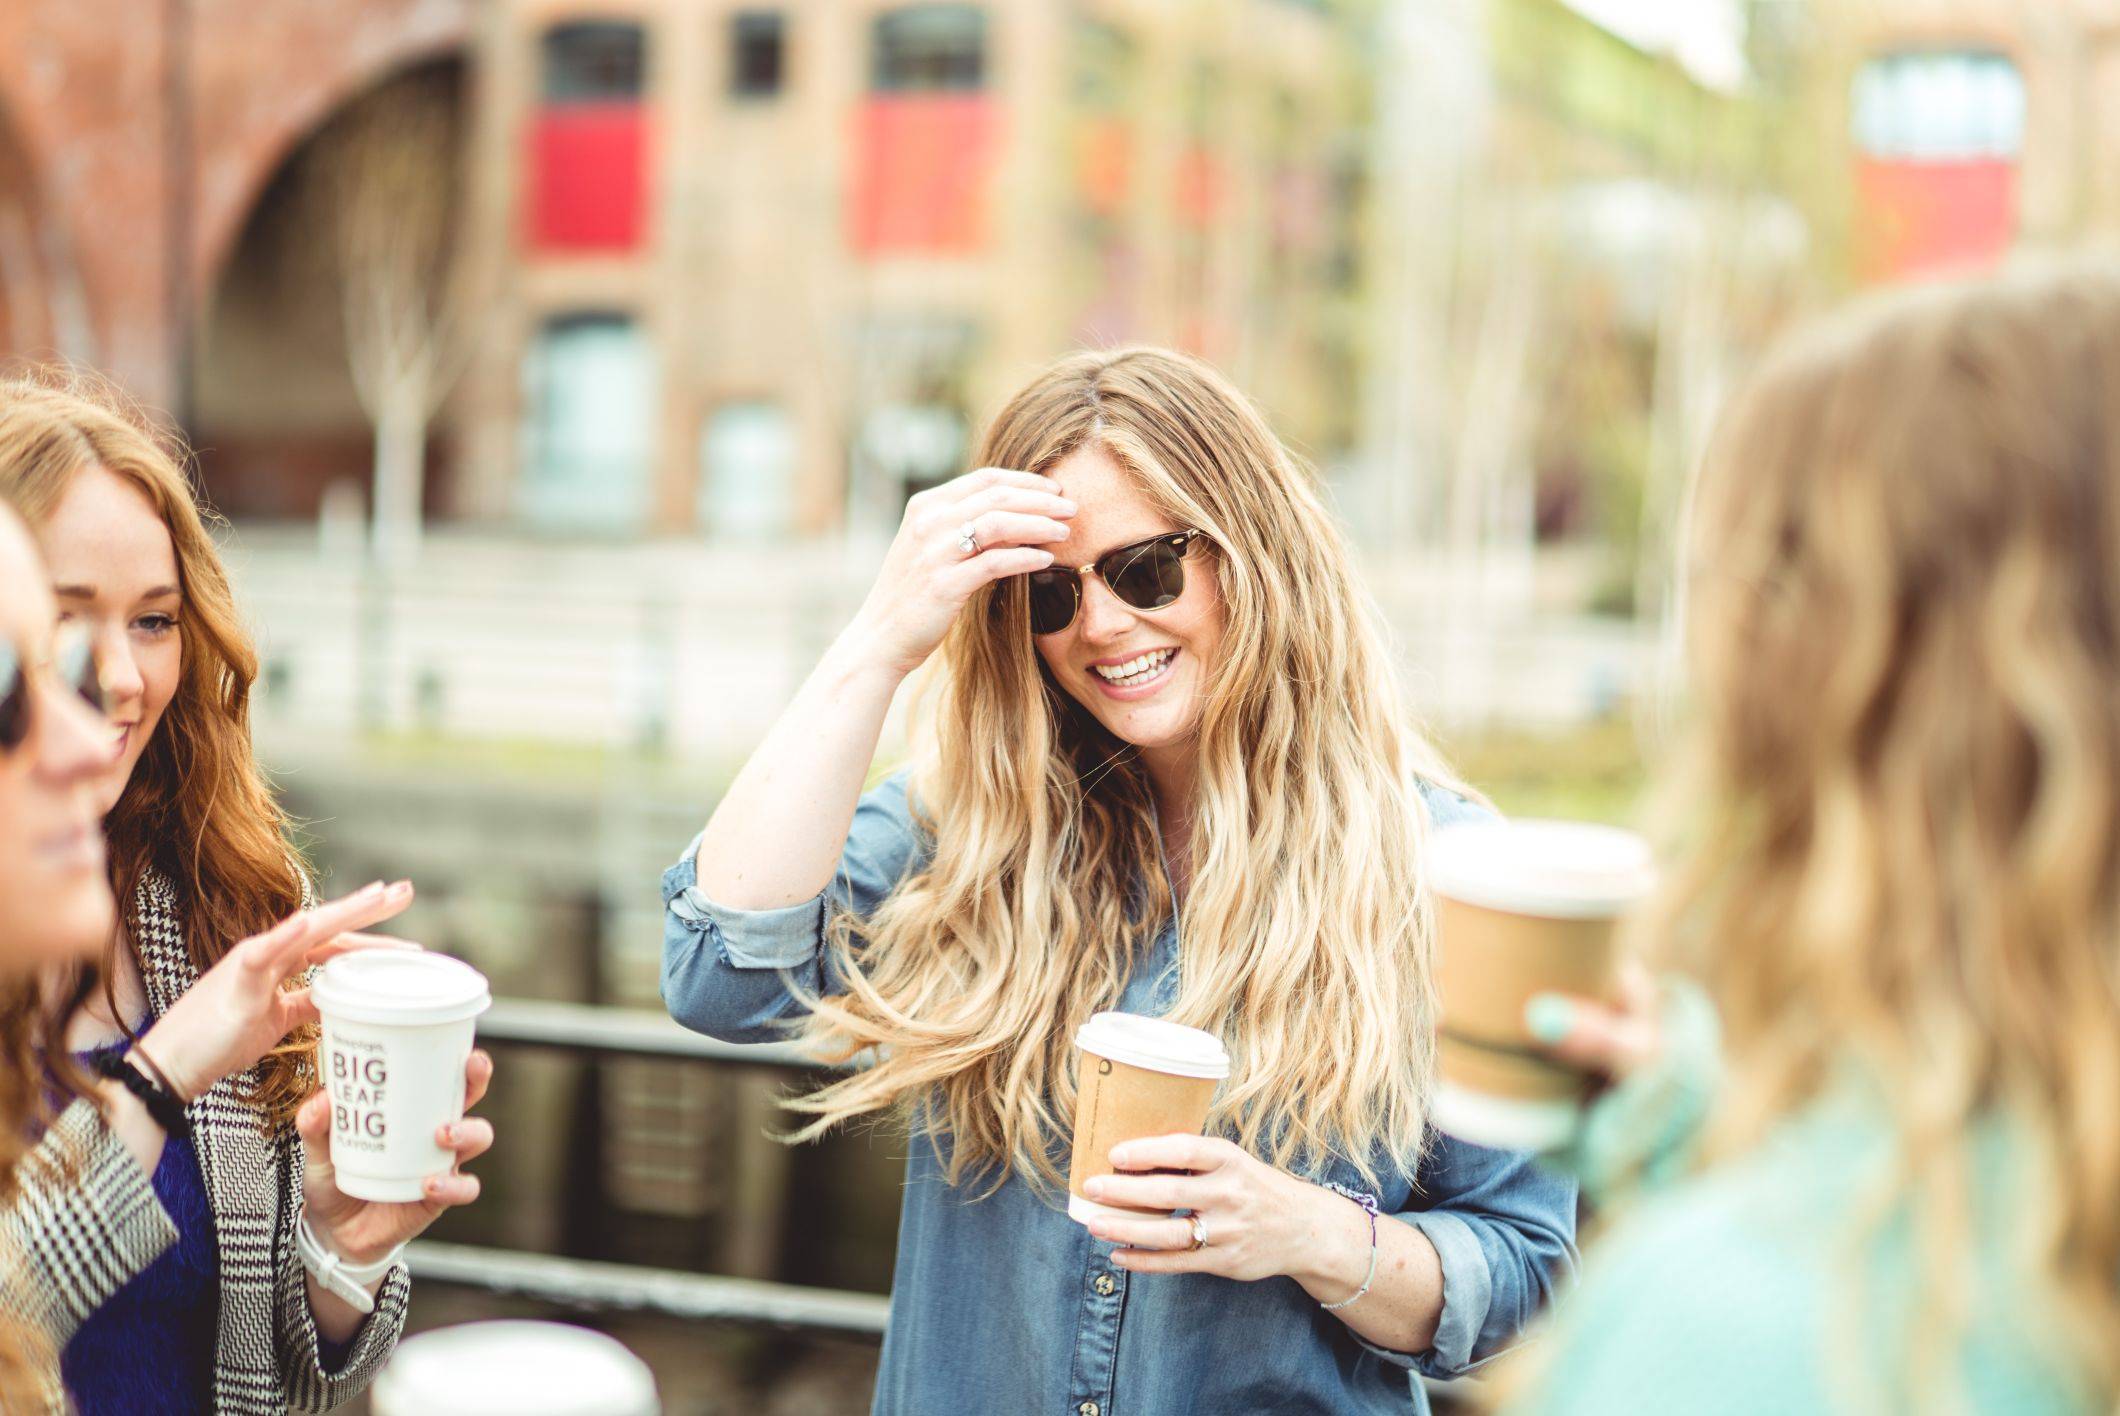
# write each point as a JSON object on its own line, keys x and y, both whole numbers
{"x": 1590, "y": 773}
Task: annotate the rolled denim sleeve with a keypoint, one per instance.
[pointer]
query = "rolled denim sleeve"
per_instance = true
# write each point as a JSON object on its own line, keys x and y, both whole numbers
{"x": 740, "y": 975}
{"x": 1504, "y": 1228}
{"x": 1502, "y": 1225}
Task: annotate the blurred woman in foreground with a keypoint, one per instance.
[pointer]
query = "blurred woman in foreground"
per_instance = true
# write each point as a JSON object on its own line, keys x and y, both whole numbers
{"x": 55, "y": 901}
{"x": 1901, "y": 886}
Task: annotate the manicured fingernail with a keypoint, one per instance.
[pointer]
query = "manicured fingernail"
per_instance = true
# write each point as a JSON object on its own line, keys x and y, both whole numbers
{"x": 1093, "y": 1189}
{"x": 1549, "y": 1017}
{"x": 1067, "y": 508}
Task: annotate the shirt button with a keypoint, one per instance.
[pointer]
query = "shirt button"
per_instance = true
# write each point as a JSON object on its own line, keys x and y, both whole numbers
{"x": 1104, "y": 1286}
{"x": 1087, "y": 1408}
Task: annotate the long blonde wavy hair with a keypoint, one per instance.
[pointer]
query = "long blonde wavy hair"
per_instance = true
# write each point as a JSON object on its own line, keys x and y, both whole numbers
{"x": 197, "y": 808}
{"x": 1902, "y": 793}
{"x": 1305, "y": 935}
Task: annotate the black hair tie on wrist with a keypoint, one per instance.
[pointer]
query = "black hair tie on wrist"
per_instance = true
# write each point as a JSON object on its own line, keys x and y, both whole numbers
{"x": 167, "y": 1111}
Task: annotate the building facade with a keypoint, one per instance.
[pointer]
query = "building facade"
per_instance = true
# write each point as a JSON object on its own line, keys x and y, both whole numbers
{"x": 740, "y": 269}
{"x": 1972, "y": 128}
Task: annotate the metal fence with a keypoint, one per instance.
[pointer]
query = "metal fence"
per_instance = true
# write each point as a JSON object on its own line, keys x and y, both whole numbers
{"x": 590, "y": 1286}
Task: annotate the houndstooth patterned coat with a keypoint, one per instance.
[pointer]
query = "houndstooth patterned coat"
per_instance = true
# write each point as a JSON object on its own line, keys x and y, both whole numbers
{"x": 87, "y": 1220}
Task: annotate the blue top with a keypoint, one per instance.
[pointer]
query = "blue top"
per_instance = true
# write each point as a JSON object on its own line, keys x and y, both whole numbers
{"x": 149, "y": 1350}
{"x": 1006, "y": 1304}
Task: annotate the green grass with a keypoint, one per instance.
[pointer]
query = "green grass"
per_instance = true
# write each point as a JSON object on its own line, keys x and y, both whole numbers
{"x": 1594, "y": 772}
{"x": 1589, "y": 773}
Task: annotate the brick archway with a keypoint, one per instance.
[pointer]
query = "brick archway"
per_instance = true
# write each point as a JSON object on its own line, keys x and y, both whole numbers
{"x": 90, "y": 85}
{"x": 40, "y": 313}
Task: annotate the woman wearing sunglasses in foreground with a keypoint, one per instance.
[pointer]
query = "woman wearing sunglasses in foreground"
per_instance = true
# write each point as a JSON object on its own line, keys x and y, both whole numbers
{"x": 55, "y": 901}
{"x": 184, "y": 1225}
{"x": 1166, "y": 771}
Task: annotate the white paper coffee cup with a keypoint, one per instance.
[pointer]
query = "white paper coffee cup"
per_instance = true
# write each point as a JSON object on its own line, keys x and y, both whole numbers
{"x": 1140, "y": 1077}
{"x": 514, "y": 1369}
{"x": 398, "y": 1026}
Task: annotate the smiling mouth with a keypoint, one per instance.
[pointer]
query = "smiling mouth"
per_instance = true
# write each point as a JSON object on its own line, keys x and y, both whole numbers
{"x": 1134, "y": 672}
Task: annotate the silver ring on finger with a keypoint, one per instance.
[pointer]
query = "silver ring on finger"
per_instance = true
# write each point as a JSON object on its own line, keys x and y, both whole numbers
{"x": 1199, "y": 1231}
{"x": 968, "y": 539}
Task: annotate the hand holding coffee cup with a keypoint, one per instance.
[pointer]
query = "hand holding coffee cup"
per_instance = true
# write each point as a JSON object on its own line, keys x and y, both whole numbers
{"x": 1524, "y": 910}
{"x": 386, "y": 1134}
{"x": 1140, "y": 1078}
{"x": 1610, "y": 1039}
{"x": 363, "y": 1231}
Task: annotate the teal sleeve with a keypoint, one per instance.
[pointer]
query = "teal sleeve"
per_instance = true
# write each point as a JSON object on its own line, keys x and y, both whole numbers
{"x": 1644, "y": 1133}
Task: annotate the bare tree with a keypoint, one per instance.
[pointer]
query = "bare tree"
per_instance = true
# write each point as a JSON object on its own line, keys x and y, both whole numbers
{"x": 383, "y": 208}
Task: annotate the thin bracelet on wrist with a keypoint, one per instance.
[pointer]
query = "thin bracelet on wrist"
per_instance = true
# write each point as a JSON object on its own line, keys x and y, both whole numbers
{"x": 1368, "y": 1203}
{"x": 139, "y": 1052}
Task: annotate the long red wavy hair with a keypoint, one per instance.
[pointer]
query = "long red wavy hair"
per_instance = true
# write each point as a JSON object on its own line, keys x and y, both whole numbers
{"x": 197, "y": 808}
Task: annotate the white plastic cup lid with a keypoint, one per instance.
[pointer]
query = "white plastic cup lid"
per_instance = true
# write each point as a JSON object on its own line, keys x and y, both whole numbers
{"x": 1555, "y": 869}
{"x": 515, "y": 1368}
{"x": 1154, "y": 1044}
{"x": 400, "y": 986}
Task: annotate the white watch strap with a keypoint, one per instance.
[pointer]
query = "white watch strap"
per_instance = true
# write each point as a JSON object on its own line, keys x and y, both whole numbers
{"x": 343, "y": 1280}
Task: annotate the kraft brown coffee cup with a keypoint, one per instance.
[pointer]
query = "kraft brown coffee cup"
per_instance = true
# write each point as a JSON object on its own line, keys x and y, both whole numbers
{"x": 1140, "y": 1077}
{"x": 1522, "y": 908}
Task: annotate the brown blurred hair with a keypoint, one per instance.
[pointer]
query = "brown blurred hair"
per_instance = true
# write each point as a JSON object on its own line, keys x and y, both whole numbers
{"x": 197, "y": 807}
{"x": 1902, "y": 795}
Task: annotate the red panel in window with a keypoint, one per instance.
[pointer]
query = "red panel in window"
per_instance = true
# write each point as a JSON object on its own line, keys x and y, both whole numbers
{"x": 921, "y": 168}
{"x": 1921, "y": 218}
{"x": 586, "y": 188}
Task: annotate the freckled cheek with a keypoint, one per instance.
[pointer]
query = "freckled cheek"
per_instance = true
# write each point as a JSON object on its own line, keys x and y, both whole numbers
{"x": 162, "y": 671}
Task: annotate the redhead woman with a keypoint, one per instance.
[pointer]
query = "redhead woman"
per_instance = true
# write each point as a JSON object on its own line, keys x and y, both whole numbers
{"x": 1165, "y": 770}
{"x": 231, "y": 1303}
{"x": 1900, "y": 884}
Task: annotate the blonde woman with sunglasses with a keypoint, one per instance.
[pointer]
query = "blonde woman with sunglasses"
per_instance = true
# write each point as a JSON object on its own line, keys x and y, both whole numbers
{"x": 1164, "y": 769}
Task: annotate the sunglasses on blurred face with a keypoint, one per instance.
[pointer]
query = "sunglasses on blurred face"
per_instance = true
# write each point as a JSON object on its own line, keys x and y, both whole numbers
{"x": 1146, "y": 575}
{"x": 72, "y": 666}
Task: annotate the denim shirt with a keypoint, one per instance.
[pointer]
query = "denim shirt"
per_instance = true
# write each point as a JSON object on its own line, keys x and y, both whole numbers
{"x": 1005, "y": 1304}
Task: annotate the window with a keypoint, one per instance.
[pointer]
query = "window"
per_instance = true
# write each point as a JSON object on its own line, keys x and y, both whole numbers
{"x": 747, "y": 472}
{"x": 1937, "y": 136}
{"x": 1939, "y": 107}
{"x": 757, "y": 53}
{"x": 590, "y": 412}
{"x": 586, "y": 185}
{"x": 593, "y": 63}
{"x": 925, "y": 48}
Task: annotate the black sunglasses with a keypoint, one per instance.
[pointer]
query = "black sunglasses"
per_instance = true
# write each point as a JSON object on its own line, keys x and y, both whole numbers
{"x": 1147, "y": 575}
{"x": 73, "y": 664}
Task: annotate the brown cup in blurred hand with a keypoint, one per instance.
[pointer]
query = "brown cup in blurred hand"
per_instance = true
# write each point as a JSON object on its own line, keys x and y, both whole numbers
{"x": 1522, "y": 908}
{"x": 1140, "y": 1077}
